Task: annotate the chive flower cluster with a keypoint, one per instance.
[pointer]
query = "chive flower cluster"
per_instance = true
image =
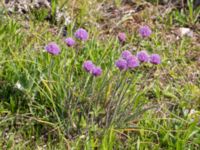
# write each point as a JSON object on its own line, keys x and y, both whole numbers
{"x": 122, "y": 37}
{"x": 126, "y": 61}
{"x": 70, "y": 42}
{"x": 52, "y": 48}
{"x": 129, "y": 61}
{"x": 80, "y": 34}
{"x": 92, "y": 68}
{"x": 143, "y": 56}
{"x": 145, "y": 31}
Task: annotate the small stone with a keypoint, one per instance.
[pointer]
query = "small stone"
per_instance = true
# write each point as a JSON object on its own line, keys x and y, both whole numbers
{"x": 185, "y": 32}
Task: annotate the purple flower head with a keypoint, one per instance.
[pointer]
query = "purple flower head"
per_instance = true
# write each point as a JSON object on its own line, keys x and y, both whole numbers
{"x": 122, "y": 37}
{"x": 125, "y": 54}
{"x": 143, "y": 56}
{"x": 70, "y": 42}
{"x": 145, "y": 31}
{"x": 132, "y": 62}
{"x": 52, "y": 48}
{"x": 121, "y": 64}
{"x": 96, "y": 71}
{"x": 155, "y": 59}
{"x": 81, "y": 34}
{"x": 88, "y": 66}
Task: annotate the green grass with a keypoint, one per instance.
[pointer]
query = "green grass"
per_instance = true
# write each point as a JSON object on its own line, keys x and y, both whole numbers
{"x": 50, "y": 102}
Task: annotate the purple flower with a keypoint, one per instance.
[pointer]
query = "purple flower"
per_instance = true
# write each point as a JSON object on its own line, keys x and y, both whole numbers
{"x": 143, "y": 56}
{"x": 145, "y": 31}
{"x": 70, "y": 42}
{"x": 81, "y": 34}
{"x": 88, "y": 66}
{"x": 125, "y": 54}
{"x": 52, "y": 48}
{"x": 132, "y": 62}
{"x": 122, "y": 37}
{"x": 121, "y": 64}
{"x": 155, "y": 59}
{"x": 96, "y": 71}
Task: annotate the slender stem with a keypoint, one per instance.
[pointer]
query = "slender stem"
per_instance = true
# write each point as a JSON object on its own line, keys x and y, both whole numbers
{"x": 118, "y": 85}
{"x": 50, "y": 67}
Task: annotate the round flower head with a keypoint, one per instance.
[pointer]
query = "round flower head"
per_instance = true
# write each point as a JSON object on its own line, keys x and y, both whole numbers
{"x": 155, "y": 59}
{"x": 143, "y": 56}
{"x": 88, "y": 66}
{"x": 81, "y": 34}
{"x": 70, "y": 42}
{"x": 121, "y": 64}
{"x": 132, "y": 62}
{"x": 96, "y": 71}
{"x": 145, "y": 31}
{"x": 125, "y": 54}
{"x": 52, "y": 48}
{"x": 122, "y": 37}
